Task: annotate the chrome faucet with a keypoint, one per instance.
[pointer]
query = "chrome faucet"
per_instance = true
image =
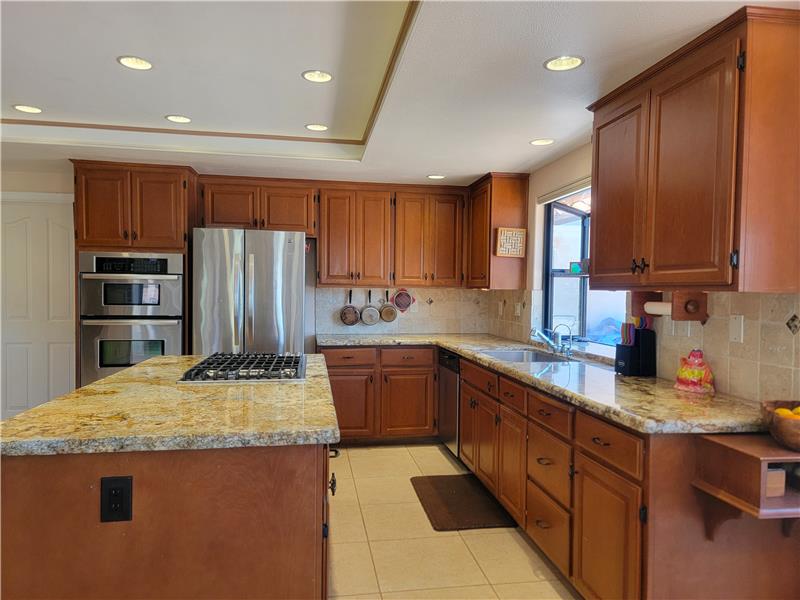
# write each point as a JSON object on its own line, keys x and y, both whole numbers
{"x": 554, "y": 345}
{"x": 554, "y": 342}
{"x": 565, "y": 350}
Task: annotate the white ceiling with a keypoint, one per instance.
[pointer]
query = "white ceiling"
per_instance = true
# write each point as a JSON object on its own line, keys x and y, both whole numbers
{"x": 468, "y": 93}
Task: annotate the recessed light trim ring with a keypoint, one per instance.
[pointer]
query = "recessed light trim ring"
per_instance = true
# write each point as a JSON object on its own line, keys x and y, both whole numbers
{"x": 27, "y": 108}
{"x": 182, "y": 119}
{"x": 316, "y": 127}
{"x": 542, "y": 142}
{"x": 565, "y": 62}
{"x": 135, "y": 62}
{"x": 317, "y": 76}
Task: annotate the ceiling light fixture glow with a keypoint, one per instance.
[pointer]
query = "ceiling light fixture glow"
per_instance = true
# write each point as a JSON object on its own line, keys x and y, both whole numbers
{"x": 315, "y": 76}
{"x": 563, "y": 63}
{"x": 178, "y": 119}
{"x": 316, "y": 127}
{"x": 135, "y": 63}
{"x": 542, "y": 142}
{"x": 33, "y": 110}
{"x": 436, "y": 176}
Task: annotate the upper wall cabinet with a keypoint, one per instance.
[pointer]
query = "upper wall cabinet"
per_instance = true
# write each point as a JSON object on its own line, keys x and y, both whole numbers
{"x": 130, "y": 205}
{"x": 496, "y": 200}
{"x": 695, "y": 179}
{"x": 230, "y": 205}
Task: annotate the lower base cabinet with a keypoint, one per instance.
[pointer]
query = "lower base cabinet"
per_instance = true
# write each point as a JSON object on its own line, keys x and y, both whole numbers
{"x": 466, "y": 426}
{"x": 407, "y": 402}
{"x": 607, "y": 532}
{"x": 487, "y": 421}
{"x": 548, "y": 526}
{"x": 355, "y": 394}
{"x": 511, "y": 463}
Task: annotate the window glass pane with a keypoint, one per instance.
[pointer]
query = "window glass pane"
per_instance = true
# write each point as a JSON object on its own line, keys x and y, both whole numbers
{"x": 605, "y": 312}
{"x": 126, "y": 353}
{"x": 567, "y": 232}
{"x": 566, "y": 307}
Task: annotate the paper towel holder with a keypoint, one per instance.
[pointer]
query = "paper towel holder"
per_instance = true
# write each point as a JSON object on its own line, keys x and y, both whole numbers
{"x": 684, "y": 306}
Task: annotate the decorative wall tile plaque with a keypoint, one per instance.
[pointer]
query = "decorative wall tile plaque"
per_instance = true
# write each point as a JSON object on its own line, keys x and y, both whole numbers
{"x": 511, "y": 242}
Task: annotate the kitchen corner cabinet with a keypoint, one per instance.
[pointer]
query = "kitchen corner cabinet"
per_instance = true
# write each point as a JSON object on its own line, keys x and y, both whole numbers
{"x": 496, "y": 200}
{"x": 355, "y": 391}
{"x": 355, "y": 241}
{"x": 126, "y": 206}
{"x": 695, "y": 179}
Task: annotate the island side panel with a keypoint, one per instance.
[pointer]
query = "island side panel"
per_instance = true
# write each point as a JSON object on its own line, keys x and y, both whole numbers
{"x": 229, "y": 523}
{"x": 748, "y": 558}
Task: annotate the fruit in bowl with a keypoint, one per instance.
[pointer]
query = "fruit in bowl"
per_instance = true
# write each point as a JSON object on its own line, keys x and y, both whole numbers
{"x": 784, "y": 423}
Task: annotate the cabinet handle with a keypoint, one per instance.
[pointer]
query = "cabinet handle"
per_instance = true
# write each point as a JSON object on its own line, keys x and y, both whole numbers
{"x": 351, "y": 275}
{"x": 482, "y": 275}
{"x": 542, "y": 524}
{"x": 348, "y": 357}
{"x": 600, "y": 442}
{"x": 125, "y": 234}
{"x": 643, "y": 265}
{"x": 134, "y": 236}
{"x": 385, "y": 379}
{"x": 332, "y": 484}
{"x": 634, "y": 266}
{"x": 255, "y": 222}
{"x": 489, "y": 385}
{"x": 508, "y": 395}
{"x": 544, "y": 461}
{"x": 543, "y": 412}
{"x": 262, "y": 222}
{"x": 408, "y": 358}
{"x": 497, "y": 420}
{"x": 426, "y": 277}
{"x": 370, "y": 379}
{"x": 433, "y": 276}
{"x": 358, "y": 275}
{"x": 334, "y": 453}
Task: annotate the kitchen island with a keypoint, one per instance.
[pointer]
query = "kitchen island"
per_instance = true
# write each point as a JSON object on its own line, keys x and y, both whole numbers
{"x": 229, "y": 488}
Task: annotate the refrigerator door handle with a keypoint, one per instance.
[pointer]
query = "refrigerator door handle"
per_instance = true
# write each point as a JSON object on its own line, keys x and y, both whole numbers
{"x": 238, "y": 300}
{"x": 250, "y": 309}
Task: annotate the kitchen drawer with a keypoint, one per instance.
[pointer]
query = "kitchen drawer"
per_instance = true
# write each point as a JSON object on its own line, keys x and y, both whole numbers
{"x": 548, "y": 526}
{"x": 549, "y": 460}
{"x": 350, "y": 357}
{"x": 480, "y": 378}
{"x": 407, "y": 357}
{"x": 512, "y": 394}
{"x": 554, "y": 415}
{"x": 618, "y": 448}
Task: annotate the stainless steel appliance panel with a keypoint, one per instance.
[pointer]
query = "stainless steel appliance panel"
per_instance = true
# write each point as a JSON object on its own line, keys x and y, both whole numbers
{"x": 449, "y": 400}
{"x": 110, "y": 345}
{"x": 311, "y": 297}
{"x": 104, "y": 294}
{"x": 218, "y": 300}
{"x": 99, "y": 261}
{"x": 274, "y": 291}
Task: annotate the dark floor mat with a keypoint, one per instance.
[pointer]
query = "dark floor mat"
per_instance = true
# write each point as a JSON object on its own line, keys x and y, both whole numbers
{"x": 454, "y": 502}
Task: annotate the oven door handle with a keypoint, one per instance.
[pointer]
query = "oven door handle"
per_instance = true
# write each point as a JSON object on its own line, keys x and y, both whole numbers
{"x": 133, "y": 276}
{"x": 149, "y": 322}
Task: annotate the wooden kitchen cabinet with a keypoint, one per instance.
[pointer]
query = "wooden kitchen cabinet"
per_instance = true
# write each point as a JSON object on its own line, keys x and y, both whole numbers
{"x": 373, "y": 238}
{"x": 496, "y": 200}
{"x": 355, "y": 398}
{"x": 511, "y": 462}
{"x": 407, "y": 402}
{"x": 487, "y": 435}
{"x": 607, "y": 536}
{"x": 158, "y": 212}
{"x": 466, "y": 426}
{"x": 287, "y": 209}
{"x": 102, "y": 206}
{"x": 410, "y": 265}
{"x": 548, "y": 524}
{"x": 694, "y": 187}
{"x": 230, "y": 205}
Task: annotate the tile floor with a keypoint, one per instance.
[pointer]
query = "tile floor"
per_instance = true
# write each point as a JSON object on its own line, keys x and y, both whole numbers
{"x": 382, "y": 545}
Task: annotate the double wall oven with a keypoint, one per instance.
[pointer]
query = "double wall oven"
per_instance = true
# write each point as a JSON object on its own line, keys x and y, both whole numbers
{"x": 131, "y": 308}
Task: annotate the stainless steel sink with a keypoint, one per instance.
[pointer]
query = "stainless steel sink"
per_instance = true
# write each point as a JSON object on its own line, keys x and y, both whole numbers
{"x": 524, "y": 356}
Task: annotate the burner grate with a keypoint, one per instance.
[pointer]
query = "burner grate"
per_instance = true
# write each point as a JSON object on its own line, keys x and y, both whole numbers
{"x": 226, "y": 367}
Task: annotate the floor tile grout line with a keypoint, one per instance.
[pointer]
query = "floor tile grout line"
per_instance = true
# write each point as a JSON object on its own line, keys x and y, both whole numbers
{"x": 475, "y": 558}
{"x": 443, "y": 587}
{"x": 366, "y": 535}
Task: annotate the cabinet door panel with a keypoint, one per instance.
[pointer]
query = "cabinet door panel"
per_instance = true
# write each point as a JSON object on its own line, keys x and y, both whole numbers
{"x": 549, "y": 460}
{"x": 444, "y": 239}
{"x": 231, "y": 205}
{"x": 511, "y": 463}
{"x": 354, "y": 398}
{"x": 607, "y": 533}
{"x": 410, "y": 260}
{"x": 478, "y": 235}
{"x": 157, "y": 209}
{"x": 692, "y": 161}
{"x": 407, "y": 402}
{"x": 486, "y": 437}
{"x": 466, "y": 424}
{"x": 287, "y": 209}
{"x": 336, "y": 250}
{"x": 619, "y": 190}
{"x": 548, "y": 526}
{"x": 373, "y": 238}
{"x": 103, "y": 207}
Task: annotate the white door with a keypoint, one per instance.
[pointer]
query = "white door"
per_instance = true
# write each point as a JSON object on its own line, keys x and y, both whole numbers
{"x": 37, "y": 337}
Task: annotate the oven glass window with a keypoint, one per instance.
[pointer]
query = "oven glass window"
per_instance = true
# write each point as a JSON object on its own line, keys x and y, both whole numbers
{"x": 131, "y": 294}
{"x": 126, "y": 353}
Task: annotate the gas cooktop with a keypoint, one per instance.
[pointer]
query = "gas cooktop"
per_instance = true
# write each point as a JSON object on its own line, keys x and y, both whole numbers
{"x": 223, "y": 367}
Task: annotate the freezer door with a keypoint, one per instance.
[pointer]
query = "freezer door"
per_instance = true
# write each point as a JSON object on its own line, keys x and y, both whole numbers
{"x": 274, "y": 289}
{"x": 218, "y": 296}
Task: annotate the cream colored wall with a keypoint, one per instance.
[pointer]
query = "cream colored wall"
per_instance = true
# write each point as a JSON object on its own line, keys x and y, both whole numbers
{"x": 36, "y": 181}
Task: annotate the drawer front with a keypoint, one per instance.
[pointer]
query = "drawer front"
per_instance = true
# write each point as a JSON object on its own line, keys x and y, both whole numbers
{"x": 554, "y": 415}
{"x": 480, "y": 378}
{"x": 548, "y": 526}
{"x": 611, "y": 444}
{"x": 549, "y": 460}
{"x": 350, "y": 357}
{"x": 407, "y": 357}
{"x": 512, "y": 394}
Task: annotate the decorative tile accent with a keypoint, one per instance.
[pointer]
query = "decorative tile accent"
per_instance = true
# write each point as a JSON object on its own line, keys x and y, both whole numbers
{"x": 793, "y": 324}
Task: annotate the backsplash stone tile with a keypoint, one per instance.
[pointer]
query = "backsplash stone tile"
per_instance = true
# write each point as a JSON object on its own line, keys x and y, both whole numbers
{"x": 507, "y": 324}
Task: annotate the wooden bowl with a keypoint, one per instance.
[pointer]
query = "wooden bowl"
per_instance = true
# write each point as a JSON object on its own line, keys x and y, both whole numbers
{"x": 785, "y": 430}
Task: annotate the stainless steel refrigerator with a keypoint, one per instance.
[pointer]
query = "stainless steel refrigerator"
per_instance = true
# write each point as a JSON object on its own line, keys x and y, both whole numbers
{"x": 253, "y": 291}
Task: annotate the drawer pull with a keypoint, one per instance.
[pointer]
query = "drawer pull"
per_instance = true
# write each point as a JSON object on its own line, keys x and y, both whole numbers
{"x": 408, "y": 358}
{"x": 334, "y": 453}
{"x": 542, "y": 524}
{"x": 349, "y": 357}
{"x": 600, "y": 442}
{"x": 508, "y": 394}
{"x": 544, "y": 413}
{"x": 544, "y": 461}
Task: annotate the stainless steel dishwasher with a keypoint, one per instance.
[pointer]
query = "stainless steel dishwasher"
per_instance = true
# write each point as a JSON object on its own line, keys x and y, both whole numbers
{"x": 448, "y": 399}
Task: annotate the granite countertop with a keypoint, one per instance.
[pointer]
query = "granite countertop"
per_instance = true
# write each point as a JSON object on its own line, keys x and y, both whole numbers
{"x": 143, "y": 408}
{"x": 645, "y": 404}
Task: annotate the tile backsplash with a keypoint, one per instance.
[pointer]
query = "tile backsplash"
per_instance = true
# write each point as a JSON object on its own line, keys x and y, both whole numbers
{"x": 503, "y": 306}
{"x": 435, "y": 311}
{"x": 765, "y": 365}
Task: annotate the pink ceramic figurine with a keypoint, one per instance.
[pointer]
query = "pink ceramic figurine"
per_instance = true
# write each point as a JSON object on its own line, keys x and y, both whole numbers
{"x": 694, "y": 374}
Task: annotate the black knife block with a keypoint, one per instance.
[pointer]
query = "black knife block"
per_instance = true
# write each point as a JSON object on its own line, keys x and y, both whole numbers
{"x": 638, "y": 360}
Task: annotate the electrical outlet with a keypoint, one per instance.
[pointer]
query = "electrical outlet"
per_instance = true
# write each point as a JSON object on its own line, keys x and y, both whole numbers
{"x": 116, "y": 499}
{"x": 518, "y": 309}
{"x": 736, "y": 329}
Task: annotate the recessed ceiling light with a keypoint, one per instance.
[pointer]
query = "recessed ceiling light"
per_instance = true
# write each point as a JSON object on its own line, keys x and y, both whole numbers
{"x": 563, "y": 63}
{"x": 317, "y": 76}
{"x": 134, "y": 62}
{"x": 178, "y": 119}
{"x": 34, "y": 110}
{"x": 316, "y": 127}
{"x": 542, "y": 142}
{"x": 435, "y": 176}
